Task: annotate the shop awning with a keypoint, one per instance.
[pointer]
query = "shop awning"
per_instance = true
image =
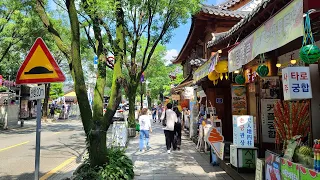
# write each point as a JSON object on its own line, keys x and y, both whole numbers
{"x": 70, "y": 94}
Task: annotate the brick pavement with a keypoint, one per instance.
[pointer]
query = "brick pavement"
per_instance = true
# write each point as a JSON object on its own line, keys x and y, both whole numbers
{"x": 187, "y": 164}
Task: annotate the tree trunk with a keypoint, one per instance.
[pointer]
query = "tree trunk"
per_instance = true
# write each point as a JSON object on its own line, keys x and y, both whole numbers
{"x": 46, "y": 100}
{"x": 149, "y": 102}
{"x": 95, "y": 132}
{"x": 132, "y": 102}
{"x": 97, "y": 146}
{"x": 119, "y": 53}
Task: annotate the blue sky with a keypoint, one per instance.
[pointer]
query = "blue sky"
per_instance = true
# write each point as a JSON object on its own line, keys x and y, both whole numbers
{"x": 181, "y": 33}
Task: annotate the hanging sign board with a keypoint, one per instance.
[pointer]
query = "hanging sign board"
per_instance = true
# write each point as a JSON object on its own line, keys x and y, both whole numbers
{"x": 296, "y": 83}
{"x": 39, "y": 66}
{"x": 188, "y": 93}
{"x": 278, "y": 31}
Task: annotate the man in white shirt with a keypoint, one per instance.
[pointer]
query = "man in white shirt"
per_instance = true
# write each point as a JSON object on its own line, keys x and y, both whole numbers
{"x": 169, "y": 122}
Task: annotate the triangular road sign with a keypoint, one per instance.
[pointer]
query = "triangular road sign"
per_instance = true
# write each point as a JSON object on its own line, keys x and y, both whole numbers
{"x": 39, "y": 66}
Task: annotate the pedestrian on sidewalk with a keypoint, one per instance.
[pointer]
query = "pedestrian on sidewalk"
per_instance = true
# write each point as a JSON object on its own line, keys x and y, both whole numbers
{"x": 169, "y": 118}
{"x": 145, "y": 128}
{"x": 154, "y": 114}
{"x": 177, "y": 130}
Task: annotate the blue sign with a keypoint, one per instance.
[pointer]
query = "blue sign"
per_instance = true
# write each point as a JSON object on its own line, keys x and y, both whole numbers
{"x": 219, "y": 100}
{"x": 95, "y": 59}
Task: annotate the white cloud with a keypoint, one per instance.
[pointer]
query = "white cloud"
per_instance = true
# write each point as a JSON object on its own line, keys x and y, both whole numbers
{"x": 170, "y": 55}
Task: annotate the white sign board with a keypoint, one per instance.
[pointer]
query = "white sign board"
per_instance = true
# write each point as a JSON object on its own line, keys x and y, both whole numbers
{"x": 296, "y": 83}
{"x": 259, "y": 169}
{"x": 188, "y": 93}
{"x": 243, "y": 131}
{"x": 267, "y": 118}
{"x": 37, "y": 92}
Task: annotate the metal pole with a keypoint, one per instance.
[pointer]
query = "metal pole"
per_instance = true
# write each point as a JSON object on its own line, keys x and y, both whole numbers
{"x": 38, "y": 130}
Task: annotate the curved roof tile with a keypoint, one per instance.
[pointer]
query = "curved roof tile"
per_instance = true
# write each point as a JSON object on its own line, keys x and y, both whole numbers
{"x": 241, "y": 23}
{"x": 222, "y": 12}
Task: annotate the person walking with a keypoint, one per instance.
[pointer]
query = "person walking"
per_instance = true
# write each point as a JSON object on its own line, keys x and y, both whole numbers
{"x": 154, "y": 114}
{"x": 177, "y": 129}
{"x": 169, "y": 118}
{"x": 145, "y": 128}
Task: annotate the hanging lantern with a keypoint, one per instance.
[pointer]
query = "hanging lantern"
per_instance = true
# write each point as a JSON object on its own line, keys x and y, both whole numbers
{"x": 221, "y": 68}
{"x": 262, "y": 70}
{"x": 212, "y": 76}
{"x": 240, "y": 79}
{"x": 310, "y": 53}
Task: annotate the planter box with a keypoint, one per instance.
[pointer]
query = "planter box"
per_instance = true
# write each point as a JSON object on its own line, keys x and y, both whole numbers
{"x": 131, "y": 132}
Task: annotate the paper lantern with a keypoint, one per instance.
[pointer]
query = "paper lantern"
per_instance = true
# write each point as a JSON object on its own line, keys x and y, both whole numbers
{"x": 221, "y": 67}
{"x": 213, "y": 76}
{"x": 310, "y": 53}
{"x": 262, "y": 70}
{"x": 240, "y": 79}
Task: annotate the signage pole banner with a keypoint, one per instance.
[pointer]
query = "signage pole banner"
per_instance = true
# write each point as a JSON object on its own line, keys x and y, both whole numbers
{"x": 278, "y": 31}
{"x": 267, "y": 118}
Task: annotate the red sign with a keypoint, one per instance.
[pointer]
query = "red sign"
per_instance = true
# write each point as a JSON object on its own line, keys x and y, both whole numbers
{"x": 39, "y": 66}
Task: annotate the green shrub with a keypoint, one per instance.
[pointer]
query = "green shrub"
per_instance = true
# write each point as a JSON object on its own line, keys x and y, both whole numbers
{"x": 119, "y": 167}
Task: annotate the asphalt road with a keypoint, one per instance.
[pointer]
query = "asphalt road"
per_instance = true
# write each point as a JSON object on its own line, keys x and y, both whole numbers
{"x": 62, "y": 145}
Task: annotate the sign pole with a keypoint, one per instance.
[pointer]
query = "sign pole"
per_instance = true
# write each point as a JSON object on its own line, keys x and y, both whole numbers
{"x": 38, "y": 131}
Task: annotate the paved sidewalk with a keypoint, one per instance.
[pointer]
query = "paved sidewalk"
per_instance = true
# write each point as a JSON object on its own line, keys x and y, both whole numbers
{"x": 187, "y": 164}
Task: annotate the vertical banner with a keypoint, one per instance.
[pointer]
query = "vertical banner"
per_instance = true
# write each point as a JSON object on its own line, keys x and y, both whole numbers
{"x": 243, "y": 131}
{"x": 239, "y": 100}
{"x": 267, "y": 120}
{"x": 259, "y": 169}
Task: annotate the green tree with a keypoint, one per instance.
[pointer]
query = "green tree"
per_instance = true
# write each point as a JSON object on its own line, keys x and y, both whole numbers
{"x": 118, "y": 26}
{"x": 56, "y": 90}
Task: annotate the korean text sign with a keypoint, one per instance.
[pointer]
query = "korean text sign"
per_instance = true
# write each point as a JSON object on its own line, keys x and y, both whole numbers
{"x": 281, "y": 29}
{"x": 267, "y": 118}
{"x": 243, "y": 131}
{"x": 296, "y": 83}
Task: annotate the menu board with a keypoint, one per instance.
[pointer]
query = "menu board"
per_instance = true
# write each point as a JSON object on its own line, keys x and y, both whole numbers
{"x": 239, "y": 100}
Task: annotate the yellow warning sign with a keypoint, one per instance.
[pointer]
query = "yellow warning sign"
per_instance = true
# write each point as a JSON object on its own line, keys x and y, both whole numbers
{"x": 39, "y": 66}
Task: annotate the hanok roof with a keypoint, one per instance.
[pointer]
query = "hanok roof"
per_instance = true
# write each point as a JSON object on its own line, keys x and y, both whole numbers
{"x": 222, "y": 12}
{"x": 213, "y": 12}
{"x": 229, "y": 4}
{"x": 241, "y": 23}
